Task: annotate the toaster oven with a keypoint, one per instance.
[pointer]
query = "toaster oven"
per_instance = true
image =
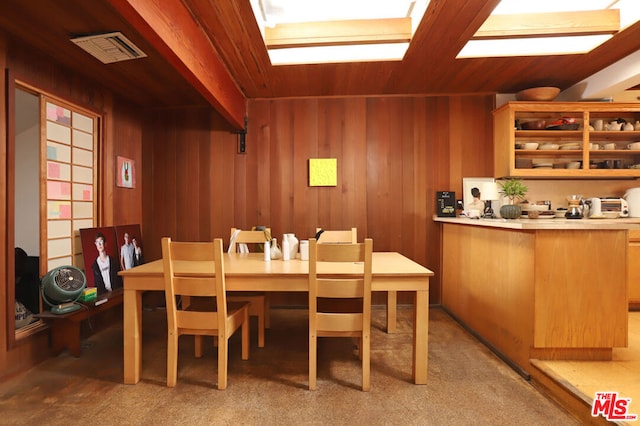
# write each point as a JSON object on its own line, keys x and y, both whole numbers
{"x": 610, "y": 204}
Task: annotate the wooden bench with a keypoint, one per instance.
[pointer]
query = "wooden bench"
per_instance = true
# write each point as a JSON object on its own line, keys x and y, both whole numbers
{"x": 65, "y": 328}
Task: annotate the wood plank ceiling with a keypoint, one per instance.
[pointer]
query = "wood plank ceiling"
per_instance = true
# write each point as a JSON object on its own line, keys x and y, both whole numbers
{"x": 429, "y": 66}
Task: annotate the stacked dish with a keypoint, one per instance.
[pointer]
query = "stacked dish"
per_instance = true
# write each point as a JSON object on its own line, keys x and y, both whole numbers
{"x": 549, "y": 146}
{"x": 571, "y": 145}
{"x": 542, "y": 164}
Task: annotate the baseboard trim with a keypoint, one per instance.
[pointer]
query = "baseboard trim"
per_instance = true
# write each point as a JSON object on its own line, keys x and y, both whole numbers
{"x": 522, "y": 372}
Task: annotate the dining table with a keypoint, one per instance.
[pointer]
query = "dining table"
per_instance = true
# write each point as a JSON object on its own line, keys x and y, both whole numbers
{"x": 391, "y": 272}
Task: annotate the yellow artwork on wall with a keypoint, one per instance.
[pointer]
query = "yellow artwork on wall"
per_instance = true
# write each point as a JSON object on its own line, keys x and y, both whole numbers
{"x": 323, "y": 172}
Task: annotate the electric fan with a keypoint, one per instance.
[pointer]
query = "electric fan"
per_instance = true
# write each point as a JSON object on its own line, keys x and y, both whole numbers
{"x": 62, "y": 287}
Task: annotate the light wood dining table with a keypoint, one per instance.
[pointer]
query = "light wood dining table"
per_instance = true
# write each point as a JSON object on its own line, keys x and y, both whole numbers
{"x": 249, "y": 272}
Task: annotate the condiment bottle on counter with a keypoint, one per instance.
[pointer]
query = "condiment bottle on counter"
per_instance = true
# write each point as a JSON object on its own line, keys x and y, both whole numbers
{"x": 267, "y": 251}
{"x": 304, "y": 250}
{"x": 286, "y": 252}
{"x": 293, "y": 245}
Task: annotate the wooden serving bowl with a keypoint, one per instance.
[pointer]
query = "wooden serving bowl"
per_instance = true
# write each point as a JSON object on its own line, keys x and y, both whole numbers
{"x": 544, "y": 94}
{"x": 534, "y": 125}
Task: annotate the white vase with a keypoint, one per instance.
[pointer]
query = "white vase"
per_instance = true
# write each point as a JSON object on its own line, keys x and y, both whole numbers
{"x": 293, "y": 245}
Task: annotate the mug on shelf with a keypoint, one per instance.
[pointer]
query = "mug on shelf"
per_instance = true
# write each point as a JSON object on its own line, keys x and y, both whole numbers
{"x": 634, "y": 146}
{"x": 610, "y": 146}
{"x": 598, "y": 125}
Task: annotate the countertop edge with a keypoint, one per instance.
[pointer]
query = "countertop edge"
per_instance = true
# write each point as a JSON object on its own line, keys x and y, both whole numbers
{"x": 556, "y": 223}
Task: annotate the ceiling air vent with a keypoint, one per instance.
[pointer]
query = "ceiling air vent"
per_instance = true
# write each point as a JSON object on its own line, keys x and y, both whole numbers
{"x": 109, "y": 47}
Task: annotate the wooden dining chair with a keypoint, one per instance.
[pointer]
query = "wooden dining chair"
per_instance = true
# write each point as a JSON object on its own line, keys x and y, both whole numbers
{"x": 258, "y": 301}
{"x": 338, "y": 236}
{"x": 330, "y": 281}
{"x": 199, "y": 314}
{"x": 349, "y": 236}
{"x": 346, "y": 236}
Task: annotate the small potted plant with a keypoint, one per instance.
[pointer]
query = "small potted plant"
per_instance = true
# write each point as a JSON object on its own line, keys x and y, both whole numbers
{"x": 514, "y": 190}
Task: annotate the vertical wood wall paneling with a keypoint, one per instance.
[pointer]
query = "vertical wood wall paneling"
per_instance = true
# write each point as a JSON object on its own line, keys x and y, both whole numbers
{"x": 305, "y": 202}
{"x": 221, "y": 146}
{"x": 393, "y": 154}
{"x": 37, "y": 70}
{"x": 165, "y": 180}
{"x": 125, "y": 136}
{"x": 350, "y": 203}
{"x": 420, "y": 196}
{"x": 4, "y": 194}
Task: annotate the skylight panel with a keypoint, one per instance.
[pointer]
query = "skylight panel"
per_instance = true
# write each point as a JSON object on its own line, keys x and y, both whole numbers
{"x": 550, "y": 27}
{"x": 303, "y": 31}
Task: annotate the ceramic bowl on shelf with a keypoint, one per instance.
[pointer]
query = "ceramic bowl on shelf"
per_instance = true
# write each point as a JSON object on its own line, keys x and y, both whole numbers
{"x": 530, "y": 145}
{"x": 534, "y": 125}
{"x": 549, "y": 146}
{"x": 543, "y": 165}
{"x": 570, "y": 146}
{"x": 534, "y": 207}
{"x": 544, "y": 94}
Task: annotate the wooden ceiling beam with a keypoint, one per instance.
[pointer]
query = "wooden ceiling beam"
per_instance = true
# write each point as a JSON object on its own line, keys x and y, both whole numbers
{"x": 550, "y": 24}
{"x": 393, "y": 30}
{"x": 169, "y": 27}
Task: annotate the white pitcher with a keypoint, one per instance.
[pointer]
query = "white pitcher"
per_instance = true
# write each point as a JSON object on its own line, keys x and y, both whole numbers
{"x": 633, "y": 200}
{"x": 614, "y": 126}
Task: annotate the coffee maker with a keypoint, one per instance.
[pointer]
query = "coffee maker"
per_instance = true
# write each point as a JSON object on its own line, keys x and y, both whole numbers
{"x": 575, "y": 207}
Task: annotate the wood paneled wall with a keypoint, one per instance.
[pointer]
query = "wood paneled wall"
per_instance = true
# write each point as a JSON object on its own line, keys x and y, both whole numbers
{"x": 122, "y": 136}
{"x": 393, "y": 154}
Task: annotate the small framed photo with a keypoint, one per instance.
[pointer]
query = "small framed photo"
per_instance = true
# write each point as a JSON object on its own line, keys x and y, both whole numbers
{"x": 472, "y": 195}
{"x": 126, "y": 173}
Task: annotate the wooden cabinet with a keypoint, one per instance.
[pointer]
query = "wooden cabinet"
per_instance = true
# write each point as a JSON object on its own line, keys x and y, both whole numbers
{"x": 634, "y": 269}
{"x": 529, "y": 296}
{"x": 565, "y": 151}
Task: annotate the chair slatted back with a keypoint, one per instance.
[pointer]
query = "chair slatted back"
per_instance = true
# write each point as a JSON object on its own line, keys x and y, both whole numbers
{"x": 340, "y": 286}
{"x": 247, "y": 237}
{"x": 189, "y": 317}
{"x": 338, "y": 236}
{"x": 352, "y": 280}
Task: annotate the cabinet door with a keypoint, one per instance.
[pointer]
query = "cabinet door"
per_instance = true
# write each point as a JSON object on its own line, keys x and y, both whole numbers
{"x": 634, "y": 269}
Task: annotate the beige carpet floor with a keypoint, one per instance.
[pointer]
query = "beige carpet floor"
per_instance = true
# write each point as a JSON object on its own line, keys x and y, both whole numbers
{"x": 467, "y": 384}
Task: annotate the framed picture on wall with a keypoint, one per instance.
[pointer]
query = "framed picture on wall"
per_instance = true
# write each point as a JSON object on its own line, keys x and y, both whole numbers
{"x": 472, "y": 194}
{"x": 126, "y": 173}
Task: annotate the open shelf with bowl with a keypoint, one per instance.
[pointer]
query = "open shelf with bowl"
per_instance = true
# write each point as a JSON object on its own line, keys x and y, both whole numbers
{"x": 559, "y": 139}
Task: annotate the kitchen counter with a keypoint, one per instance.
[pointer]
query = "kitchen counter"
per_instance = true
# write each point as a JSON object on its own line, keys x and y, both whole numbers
{"x": 555, "y": 223}
{"x": 539, "y": 288}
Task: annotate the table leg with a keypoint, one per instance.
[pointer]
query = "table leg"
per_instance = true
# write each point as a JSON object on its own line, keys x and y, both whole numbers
{"x": 132, "y": 336}
{"x": 392, "y": 303}
{"x": 420, "y": 337}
